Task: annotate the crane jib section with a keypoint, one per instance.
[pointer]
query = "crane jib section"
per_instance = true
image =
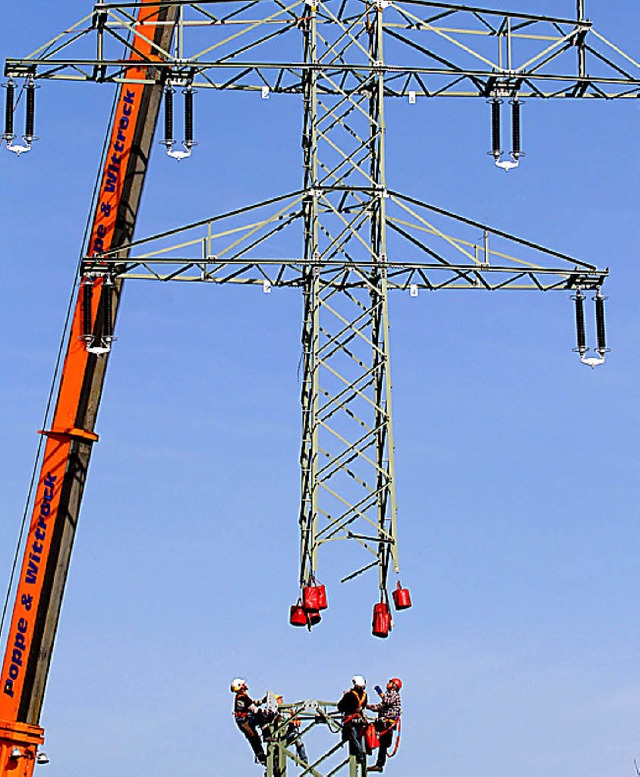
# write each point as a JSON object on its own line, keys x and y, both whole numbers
{"x": 69, "y": 441}
{"x": 32, "y": 564}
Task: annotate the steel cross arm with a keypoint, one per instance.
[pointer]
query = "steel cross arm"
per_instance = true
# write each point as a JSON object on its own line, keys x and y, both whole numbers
{"x": 477, "y": 53}
{"x": 420, "y": 81}
{"x": 404, "y": 276}
{"x": 448, "y": 8}
{"x": 435, "y": 249}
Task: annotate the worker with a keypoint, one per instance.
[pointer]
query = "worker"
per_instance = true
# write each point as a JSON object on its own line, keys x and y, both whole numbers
{"x": 248, "y": 717}
{"x": 389, "y": 710}
{"x": 352, "y": 705}
{"x": 292, "y": 734}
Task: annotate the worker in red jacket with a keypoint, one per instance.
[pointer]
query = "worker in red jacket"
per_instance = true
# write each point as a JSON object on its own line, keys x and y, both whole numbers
{"x": 248, "y": 717}
{"x": 352, "y": 705}
{"x": 389, "y": 710}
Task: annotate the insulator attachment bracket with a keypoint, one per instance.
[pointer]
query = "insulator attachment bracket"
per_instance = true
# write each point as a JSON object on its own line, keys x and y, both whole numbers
{"x": 581, "y": 338}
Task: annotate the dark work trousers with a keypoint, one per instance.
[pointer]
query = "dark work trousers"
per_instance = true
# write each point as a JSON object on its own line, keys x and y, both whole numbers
{"x": 353, "y": 733}
{"x": 251, "y": 733}
{"x": 385, "y": 736}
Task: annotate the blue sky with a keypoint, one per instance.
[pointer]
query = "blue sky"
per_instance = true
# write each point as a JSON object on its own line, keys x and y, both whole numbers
{"x": 516, "y": 465}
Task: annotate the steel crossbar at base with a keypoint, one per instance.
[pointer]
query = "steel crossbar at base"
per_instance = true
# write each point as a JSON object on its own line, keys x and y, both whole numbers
{"x": 317, "y": 724}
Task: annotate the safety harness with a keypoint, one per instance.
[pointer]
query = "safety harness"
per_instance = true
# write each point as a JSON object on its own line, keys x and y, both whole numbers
{"x": 358, "y": 713}
{"x": 398, "y": 723}
{"x": 240, "y": 714}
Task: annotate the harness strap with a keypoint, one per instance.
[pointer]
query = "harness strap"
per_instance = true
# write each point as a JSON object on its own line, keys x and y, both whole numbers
{"x": 395, "y": 749}
{"x": 359, "y": 696}
{"x": 393, "y": 723}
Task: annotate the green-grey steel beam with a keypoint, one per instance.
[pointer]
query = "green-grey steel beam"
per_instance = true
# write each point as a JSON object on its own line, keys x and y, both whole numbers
{"x": 387, "y": 508}
{"x": 310, "y": 335}
{"x": 317, "y": 724}
{"x": 346, "y": 456}
{"x": 436, "y": 249}
{"x": 479, "y": 59}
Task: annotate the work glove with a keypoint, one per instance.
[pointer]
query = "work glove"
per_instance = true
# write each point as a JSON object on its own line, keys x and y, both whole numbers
{"x": 378, "y": 690}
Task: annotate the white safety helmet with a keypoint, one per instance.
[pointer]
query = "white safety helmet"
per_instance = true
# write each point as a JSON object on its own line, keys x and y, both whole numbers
{"x": 237, "y": 684}
{"x": 359, "y": 681}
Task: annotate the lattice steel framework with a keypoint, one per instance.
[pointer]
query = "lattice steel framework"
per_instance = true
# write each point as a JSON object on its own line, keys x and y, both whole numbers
{"x": 318, "y": 725}
{"x": 361, "y": 238}
{"x": 347, "y": 440}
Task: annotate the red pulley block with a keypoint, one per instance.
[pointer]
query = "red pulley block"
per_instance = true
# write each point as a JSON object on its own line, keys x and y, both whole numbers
{"x": 381, "y": 620}
{"x": 314, "y": 597}
{"x": 401, "y": 598}
{"x": 298, "y": 616}
{"x": 313, "y": 617}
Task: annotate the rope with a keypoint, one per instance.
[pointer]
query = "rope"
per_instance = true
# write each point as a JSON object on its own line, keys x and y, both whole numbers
{"x": 397, "y": 744}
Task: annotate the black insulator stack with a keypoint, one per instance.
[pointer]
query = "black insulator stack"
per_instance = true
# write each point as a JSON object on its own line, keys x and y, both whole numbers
{"x": 87, "y": 296}
{"x": 188, "y": 117}
{"x": 600, "y": 328}
{"x": 30, "y": 115}
{"x": 581, "y": 338}
{"x": 168, "y": 116}
{"x": 495, "y": 128}
{"x": 8, "y": 111}
{"x": 107, "y": 293}
{"x": 516, "y": 145}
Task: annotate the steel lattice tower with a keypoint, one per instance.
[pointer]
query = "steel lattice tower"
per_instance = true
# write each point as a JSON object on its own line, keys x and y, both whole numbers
{"x": 346, "y": 459}
{"x": 361, "y": 239}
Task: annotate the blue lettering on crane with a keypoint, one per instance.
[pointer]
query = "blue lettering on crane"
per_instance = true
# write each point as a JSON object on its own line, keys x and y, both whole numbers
{"x": 17, "y": 642}
{"x": 118, "y": 147}
{"x": 112, "y": 171}
{"x": 35, "y": 556}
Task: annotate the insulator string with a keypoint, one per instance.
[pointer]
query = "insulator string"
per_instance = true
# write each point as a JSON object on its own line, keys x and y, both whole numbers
{"x": 600, "y": 326}
{"x": 107, "y": 291}
{"x": 581, "y": 339}
{"x": 8, "y": 110}
{"x": 30, "y": 113}
{"x": 516, "y": 145}
{"x": 87, "y": 297}
{"x": 168, "y": 116}
{"x": 495, "y": 128}
{"x": 188, "y": 117}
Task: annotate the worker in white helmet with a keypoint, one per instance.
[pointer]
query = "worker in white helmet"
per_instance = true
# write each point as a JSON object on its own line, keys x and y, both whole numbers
{"x": 352, "y": 705}
{"x": 248, "y": 716}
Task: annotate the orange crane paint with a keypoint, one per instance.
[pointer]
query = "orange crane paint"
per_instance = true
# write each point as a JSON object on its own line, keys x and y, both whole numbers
{"x": 67, "y": 451}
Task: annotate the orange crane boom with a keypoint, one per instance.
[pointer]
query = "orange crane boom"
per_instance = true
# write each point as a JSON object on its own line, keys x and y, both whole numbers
{"x": 70, "y": 439}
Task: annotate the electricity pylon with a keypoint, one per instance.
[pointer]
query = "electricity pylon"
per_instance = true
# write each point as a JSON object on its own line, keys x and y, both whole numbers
{"x": 314, "y": 724}
{"x": 361, "y": 238}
